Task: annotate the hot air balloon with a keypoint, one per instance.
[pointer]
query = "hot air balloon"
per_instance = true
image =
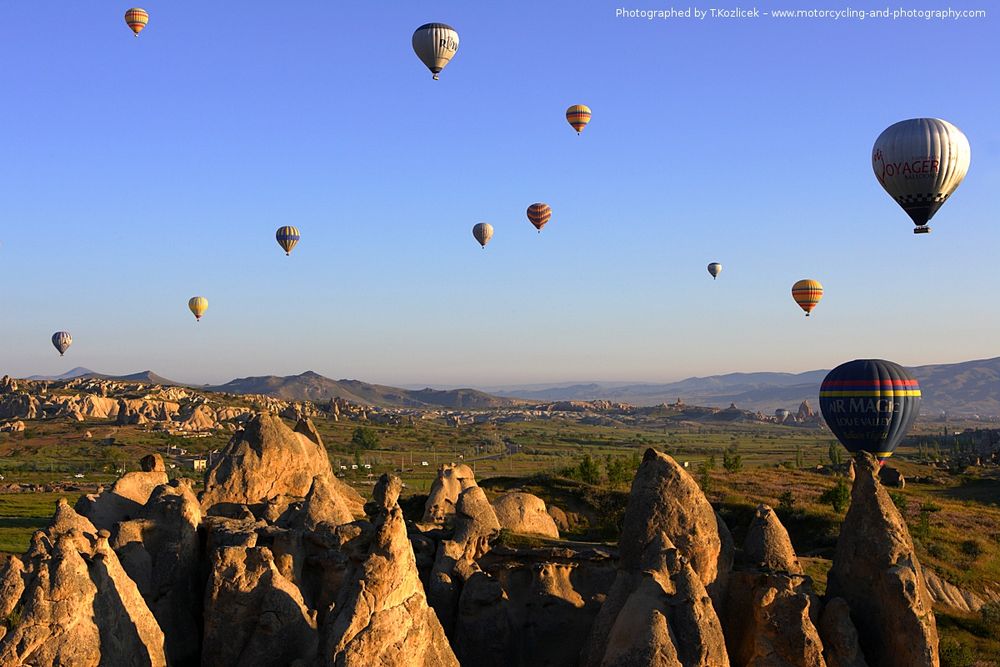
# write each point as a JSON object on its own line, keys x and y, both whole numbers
{"x": 62, "y": 340}
{"x": 869, "y": 404}
{"x": 287, "y": 237}
{"x": 920, "y": 162}
{"x": 136, "y": 18}
{"x": 435, "y": 44}
{"x": 578, "y": 116}
{"x": 807, "y": 294}
{"x": 198, "y": 306}
{"x": 483, "y": 232}
{"x": 539, "y": 214}
{"x": 715, "y": 269}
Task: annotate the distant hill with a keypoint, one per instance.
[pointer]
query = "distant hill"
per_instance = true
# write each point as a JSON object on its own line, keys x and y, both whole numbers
{"x": 314, "y": 387}
{"x": 969, "y": 387}
{"x": 68, "y": 375}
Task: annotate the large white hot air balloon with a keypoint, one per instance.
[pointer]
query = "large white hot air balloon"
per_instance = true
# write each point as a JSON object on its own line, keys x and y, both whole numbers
{"x": 920, "y": 162}
{"x": 435, "y": 44}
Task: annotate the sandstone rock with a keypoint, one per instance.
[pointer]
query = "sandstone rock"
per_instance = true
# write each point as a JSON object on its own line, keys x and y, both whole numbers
{"x": 524, "y": 513}
{"x": 161, "y": 553}
{"x": 77, "y": 606}
{"x": 664, "y": 498}
{"x": 253, "y": 615}
{"x": 767, "y": 545}
{"x": 152, "y": 463}
{"x": 201, "y": 418}
{"x": 382, "y": 617}
{"x": 875, "y": 570}
{"x": 475, "y": 525}
{"x": 268, "y": 459}
{"x": 451, "y": 480}
{"x": 658, "y": 614}
{"x": 126, "y": 497}
{"x": 889, "y": 476}
{"x": 948, "y": 594}
{"x": 560, "y": 517}
{"x": 323, "y": 505}
{"x": 840, "y": 638}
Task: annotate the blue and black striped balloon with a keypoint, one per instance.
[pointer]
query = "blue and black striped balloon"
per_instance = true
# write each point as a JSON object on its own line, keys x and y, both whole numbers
{"x": 870, "y": 404}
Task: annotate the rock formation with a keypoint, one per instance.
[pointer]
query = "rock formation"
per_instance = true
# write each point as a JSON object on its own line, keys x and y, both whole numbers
{"x": 451, "y": 480}
{"x": 659, "y": 607}
{"x": 840, "y": 637}
{"x": 382, "y": 617}
{"x": 126, "y": 497}
{"x": 875, "y": 570}
{"x": 525, "y": 513}
{"x": 76, "y": 605}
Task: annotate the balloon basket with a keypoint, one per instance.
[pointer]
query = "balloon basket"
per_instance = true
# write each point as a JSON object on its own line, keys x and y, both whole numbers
{"x": 923, "y": 229}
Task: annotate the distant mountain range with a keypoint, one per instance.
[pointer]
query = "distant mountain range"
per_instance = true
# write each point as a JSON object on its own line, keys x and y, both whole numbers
{"x": 312, "y": 386}
{"x": 969, "y": 387}
{"x": 966, "y": 388}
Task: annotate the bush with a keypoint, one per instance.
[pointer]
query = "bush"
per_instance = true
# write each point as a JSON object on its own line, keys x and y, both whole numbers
{"x": 972, "y": 548}
{"x": 732, "y": 461}
{"x": 365, "y": 438}
{"x": 990, "y": 618}
{"x": 899, "y": 500}
{"x": 786, "y": 503}
{"x": 588, "y": 470}
{"x": 838, "y": 497}
{"x": 956, "y": 654}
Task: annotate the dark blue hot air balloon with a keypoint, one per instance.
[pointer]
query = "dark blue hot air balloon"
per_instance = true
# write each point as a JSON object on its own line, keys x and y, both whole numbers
{"x": 870, "y": 404}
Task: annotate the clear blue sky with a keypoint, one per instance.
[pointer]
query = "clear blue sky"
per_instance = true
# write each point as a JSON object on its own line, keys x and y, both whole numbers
{"x": 136, "y": 173}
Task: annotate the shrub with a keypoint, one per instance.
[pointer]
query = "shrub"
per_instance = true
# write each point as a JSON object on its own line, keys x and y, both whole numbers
{"x": 838, "y": 497}
{"x": 588, "y": 470}
{"x": 786, "y": 503}
{"x": 365, "y": 438}
{"x": 956, "y": 654}
{"x": 899, "y": 500}
{"x": 990, "y": 618}
{"x": 732, "y": 461}
{"x": 972, "y": 548}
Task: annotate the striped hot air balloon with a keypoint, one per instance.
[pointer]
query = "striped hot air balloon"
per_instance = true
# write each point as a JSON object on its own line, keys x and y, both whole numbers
{"x": 539, "y": 214}
{"x": 435, "y": 44}
{"x": 870, "y": 404}
{"x": 483, "y": 232}
{"x": 61, "y": 340}
{"x": 198, "y": 305}
{"x": 136, "y": 18}
{"x": 578, "y": 116}
{"x": 287, "y": 237}
{"x": 920, "y": 162}
{"x": 807, "y": 294}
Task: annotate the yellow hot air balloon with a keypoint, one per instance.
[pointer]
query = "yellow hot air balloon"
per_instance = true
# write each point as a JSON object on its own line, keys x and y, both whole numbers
{"x": 807, "y": 294}
{"x": 136, "y": 18}
{"x": 198, "y": 306}
{"x": 578, "y": 116}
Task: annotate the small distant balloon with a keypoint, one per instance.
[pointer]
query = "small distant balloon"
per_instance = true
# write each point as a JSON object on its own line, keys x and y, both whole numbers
{"x": 198, "y": 305}
{"x": 807, "y": 294}
{"x": 287, "y": 237}
{"x": 136, "y": 18}
{"x": 539, "y": 214}
{"x": 62, "y": 340}
{"x": 870, "y": 404}
{"x": 483, "y": 232}
{"x": 578, "y": 116}
{"x": 715, "y": 269}
{"x": 435, "y": 44}
{"x": 920, "y": 162}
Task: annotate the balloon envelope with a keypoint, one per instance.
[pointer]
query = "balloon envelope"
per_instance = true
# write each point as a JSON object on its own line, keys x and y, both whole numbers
{"x": 715, "y": 269}
{"x": 807, "y": 294}
{"x": 136, "y": 18}
{"x": 578, "y": 116}
{"x": 483, "y": 232}
{"x": 920, "y": 162}
{"x": 198, "y": 305}
{"x": 287, "y": 237}
{"x": 870, "y": 404}
{"x": 539, "y": 214}
{"x": 62, "y": 340}
{"x": 435, "y": 44}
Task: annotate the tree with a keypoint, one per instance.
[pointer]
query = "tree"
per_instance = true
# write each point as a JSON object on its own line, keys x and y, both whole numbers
{"x": 800, "y": 461}
{"x": 704, "y": 479}
{"x": 834, "y": 453}
{"x": 618, "y": 470}
{"x": 364, "y": 438}
{"x": 732, "y": 460}
{"x": 838, "y": 497}
{"x": 786, "y": 503}
{"x": 588, "y": 470}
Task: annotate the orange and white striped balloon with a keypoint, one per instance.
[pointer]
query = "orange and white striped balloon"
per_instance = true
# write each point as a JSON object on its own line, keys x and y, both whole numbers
{"x": 807, "y": 294}
{"x": 539, "y": 214}
{"x": 136, "y": 18}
